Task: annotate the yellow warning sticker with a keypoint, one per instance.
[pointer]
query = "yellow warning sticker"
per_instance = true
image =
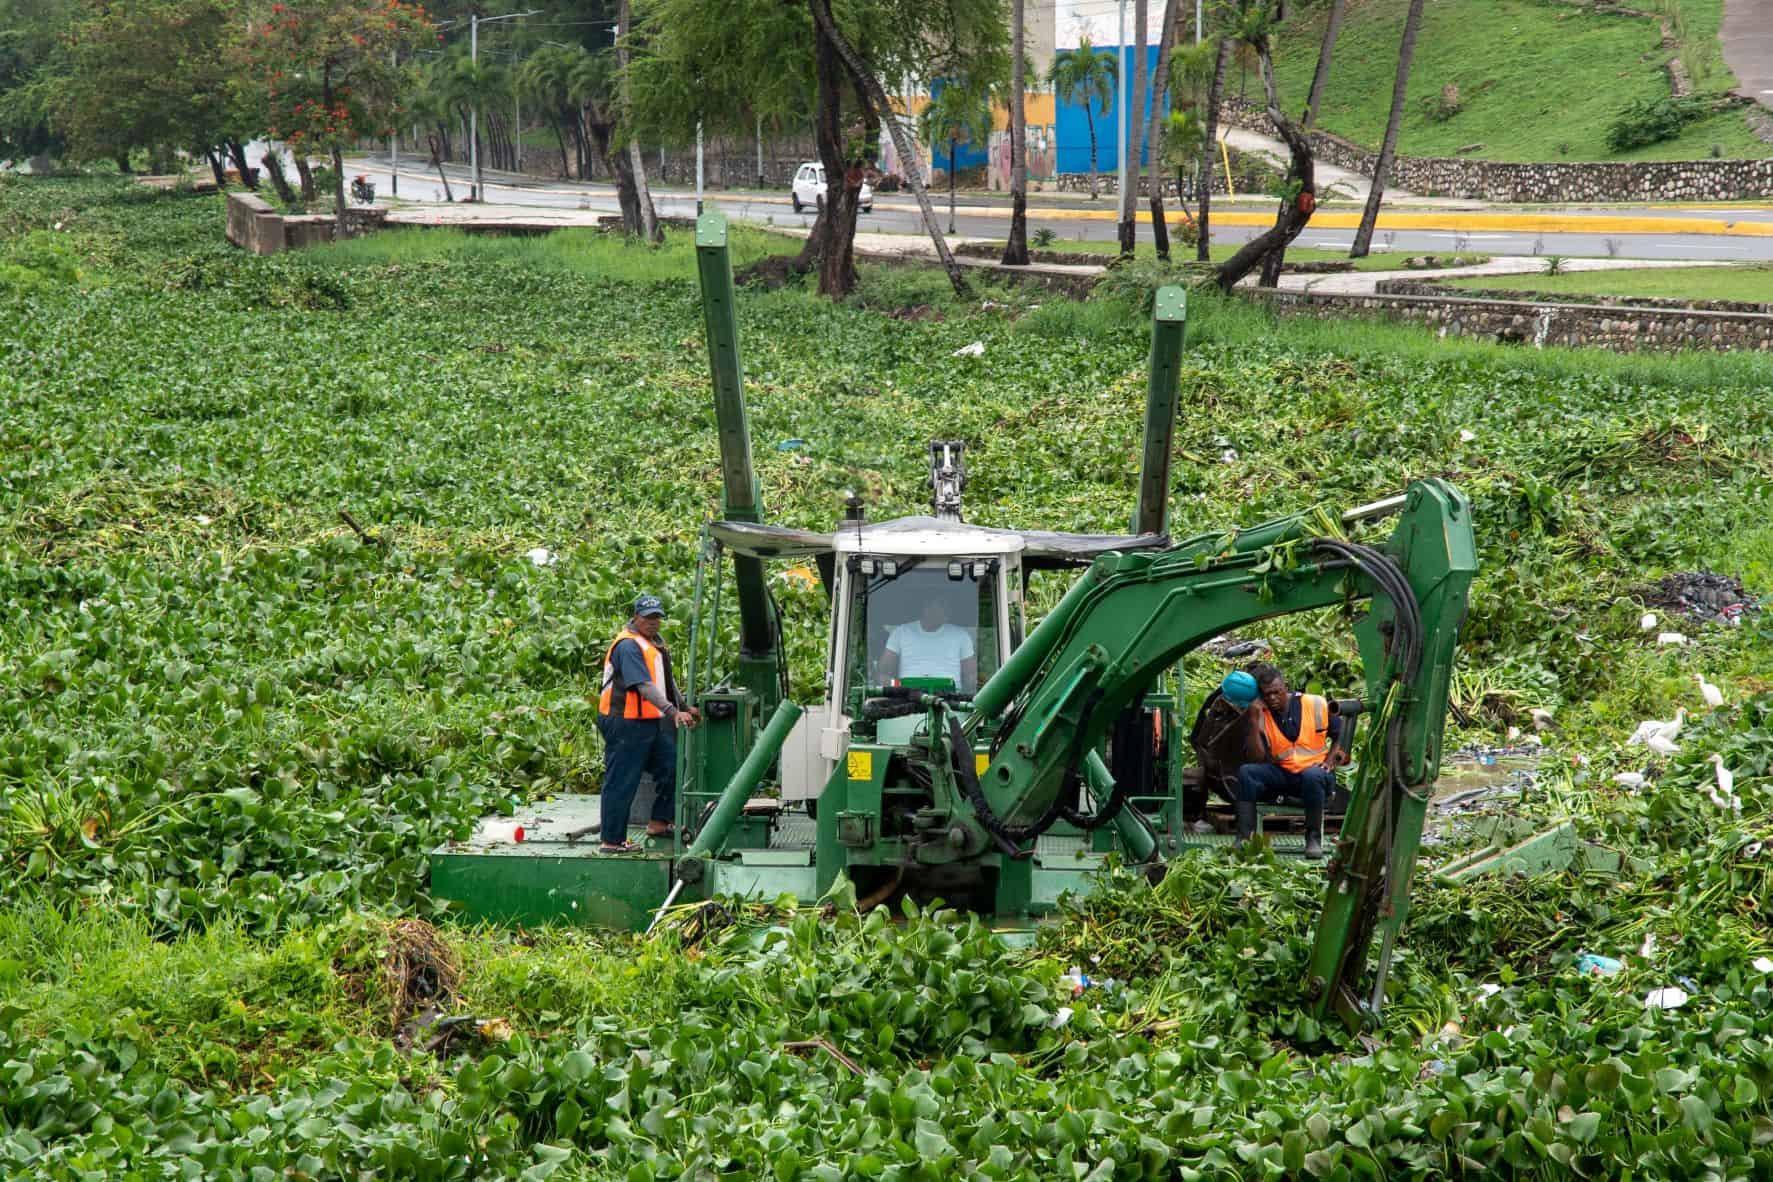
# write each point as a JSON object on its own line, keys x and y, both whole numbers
{"x": 861, "y": 765}
{"x": 980, "y": 759}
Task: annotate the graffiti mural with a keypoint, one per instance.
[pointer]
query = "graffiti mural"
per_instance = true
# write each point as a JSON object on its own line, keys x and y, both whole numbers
{"x": 1039, "y": 147}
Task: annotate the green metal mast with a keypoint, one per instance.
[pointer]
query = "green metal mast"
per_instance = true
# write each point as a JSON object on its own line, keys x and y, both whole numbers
{"x": 1168, "y": 324}
{"x": 760, "y": 649}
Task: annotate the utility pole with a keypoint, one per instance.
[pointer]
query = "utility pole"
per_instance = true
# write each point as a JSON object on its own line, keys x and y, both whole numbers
{"x": 517, "y": 125}
{"x": 698, "y": 168}
{"x": 1197, "y": 21}
{"x": 760, "y": 151}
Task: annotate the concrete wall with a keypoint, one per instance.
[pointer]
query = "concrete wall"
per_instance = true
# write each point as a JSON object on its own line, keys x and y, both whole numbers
{"x": 1539, "y": 323}
{"x": 1430, "y": 287}
{"x": 1553, "y": 182}
{"x": 253, "y": 225}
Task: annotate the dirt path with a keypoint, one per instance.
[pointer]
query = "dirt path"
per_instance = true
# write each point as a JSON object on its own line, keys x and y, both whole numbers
{"x": 1748, "y": 47}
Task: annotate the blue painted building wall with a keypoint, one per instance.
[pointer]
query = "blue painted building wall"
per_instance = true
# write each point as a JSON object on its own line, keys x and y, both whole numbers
{"x": 1072, "y": 128}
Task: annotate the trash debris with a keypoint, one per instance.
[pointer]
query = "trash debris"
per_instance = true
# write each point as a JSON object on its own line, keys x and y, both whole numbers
{"x": 1228, "y": 456}
{"x": 1590, "y": 964}
{"x": 1714, "y": 697}
{"x": 1761, "y": 964}
{"x": 1648, "y": 622}
{"x": 542, "y": 556}
{"x": 1488, "y": 990}
{"x": 1541, "y": 718}
{"x": 500, "y": 832}
{"x": 1670, "y": 638}
{"x": 1466, "y": 436}
{"x": 1668, "y": 998}
{"x": 976, "y": 349}
{"x": 1648, "y": 948}
{"x": 1703, "y": 597}
{"x": 1514, "y": 733}
{"x": 1632, "y": 780}
{"x": 1062, "y": 1016}
{"x": 791, "y": 445}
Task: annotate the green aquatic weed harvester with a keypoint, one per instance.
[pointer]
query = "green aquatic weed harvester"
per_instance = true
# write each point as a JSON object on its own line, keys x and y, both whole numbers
{"x": 1003, "y": 788}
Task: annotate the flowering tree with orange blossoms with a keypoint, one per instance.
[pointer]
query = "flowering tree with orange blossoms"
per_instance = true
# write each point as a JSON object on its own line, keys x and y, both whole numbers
{"x": 330, "y": 73}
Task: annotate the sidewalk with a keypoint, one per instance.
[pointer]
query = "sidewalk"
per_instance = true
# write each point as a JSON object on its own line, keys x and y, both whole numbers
{"x": 1365, "y": 282}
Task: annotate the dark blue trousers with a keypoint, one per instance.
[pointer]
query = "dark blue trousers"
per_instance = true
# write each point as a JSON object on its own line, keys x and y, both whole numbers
{"x": 1260, "y": 783}
{"x": 633, "y": 747}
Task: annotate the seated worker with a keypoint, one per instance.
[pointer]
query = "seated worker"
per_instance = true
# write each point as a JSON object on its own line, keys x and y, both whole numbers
{"x": 930, "y": 646}
{"x": 1289, "y": 751}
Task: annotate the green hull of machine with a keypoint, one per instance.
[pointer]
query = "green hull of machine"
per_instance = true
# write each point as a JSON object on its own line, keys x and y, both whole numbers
{"x": 1002, "y": 783}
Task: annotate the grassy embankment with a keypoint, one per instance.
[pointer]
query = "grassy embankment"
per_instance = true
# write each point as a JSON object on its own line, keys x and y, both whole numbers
{"x": 1536, "y": 80}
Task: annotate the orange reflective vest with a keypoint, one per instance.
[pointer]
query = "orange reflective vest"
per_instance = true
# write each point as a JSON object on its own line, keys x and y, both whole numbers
{"x": 633, "y": 705}
{"x": 1312, "y": 746}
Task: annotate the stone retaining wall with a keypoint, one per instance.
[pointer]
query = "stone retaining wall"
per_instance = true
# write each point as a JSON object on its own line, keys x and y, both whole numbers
{"x": 256, "y": 225}
{"x": 1431, "y": 287}
{"x": 1550, "y": 183}
{"x": 1538, "y": 323}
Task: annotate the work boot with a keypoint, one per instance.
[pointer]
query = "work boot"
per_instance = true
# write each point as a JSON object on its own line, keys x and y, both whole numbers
{"x": 1246, "y": 820}
{"x": 1314, "y": 831}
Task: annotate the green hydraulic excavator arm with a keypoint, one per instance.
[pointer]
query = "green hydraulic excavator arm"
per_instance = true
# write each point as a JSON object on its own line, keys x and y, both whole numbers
{"x": 760, "y": 647}
{"x": 1135, "y": 614}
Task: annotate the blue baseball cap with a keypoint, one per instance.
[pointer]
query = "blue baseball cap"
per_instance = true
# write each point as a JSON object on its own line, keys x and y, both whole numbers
{"x": 1238, "y": 688}
{"x": 649, "y": 605}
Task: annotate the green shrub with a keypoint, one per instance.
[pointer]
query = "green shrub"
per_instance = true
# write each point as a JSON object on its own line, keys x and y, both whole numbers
{"x": 1650, "y": 121}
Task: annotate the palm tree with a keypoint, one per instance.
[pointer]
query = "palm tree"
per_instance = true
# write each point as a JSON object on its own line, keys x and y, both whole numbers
{"x": 961, "y": 113}
{"x": 1321, "y": 77}
{"x": 1363, "y": 237}
{"x": 1086, "y": 75}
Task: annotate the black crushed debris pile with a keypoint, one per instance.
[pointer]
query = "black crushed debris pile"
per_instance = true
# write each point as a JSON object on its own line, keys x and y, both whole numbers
{"x": 1703, "y": 597}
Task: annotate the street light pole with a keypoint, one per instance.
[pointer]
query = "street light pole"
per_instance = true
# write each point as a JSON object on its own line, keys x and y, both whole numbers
{"x": 1197, "y": 21}
{"x": 698, "y": 168}
{"x": 394, "y": 133}
{"x": 474, "y": 108}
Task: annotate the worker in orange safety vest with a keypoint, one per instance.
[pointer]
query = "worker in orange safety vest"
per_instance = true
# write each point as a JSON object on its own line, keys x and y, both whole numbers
{"x": 638, "y": 713}
{"x": 1290, "y": 750}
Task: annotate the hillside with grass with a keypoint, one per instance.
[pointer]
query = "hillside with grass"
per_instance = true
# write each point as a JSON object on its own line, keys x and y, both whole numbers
{"x": 1534, "y": 80}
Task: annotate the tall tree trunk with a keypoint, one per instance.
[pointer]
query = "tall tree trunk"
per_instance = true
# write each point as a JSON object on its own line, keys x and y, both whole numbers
{"x": 1363, "y": 237}
{"x": 437, "y": 163}
{"x": 1015, "y": 250}
{"x": 1166, "y": 39}
{"x": 305, "y": 175}
{"x": 1135, "y": 123}
{"x": 1321, "y": 77}
{"x": 272, "y": 163}
{"x": 883, "y": 110}
{"x": 1270, "y": 250}
{"x": 621, "y": 166}
{"x": 1215, "y": 94}
{"x": 122, "y": 159}
{"x": 338, "y": 192}
{"x": 1090, "y": 122}
{"x": 248, "y": 176}
{"x": 566, "y": 166}
{"x": 649, "y": 218}
{"x": 834, "y": 229}
{"x": 218, "y": 168}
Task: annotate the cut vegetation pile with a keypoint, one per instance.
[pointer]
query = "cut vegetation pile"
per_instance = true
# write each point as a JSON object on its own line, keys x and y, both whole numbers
{"x": 231, "y": 725}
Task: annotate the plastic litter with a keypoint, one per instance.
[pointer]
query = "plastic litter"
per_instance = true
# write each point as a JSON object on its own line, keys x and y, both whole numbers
{"x": 542, "y": 556}
{"x": 976, "y": 349}
{"x": 1667, "y": 998}
{"x": 1062, "y": 1016}
{"x": 1762, "y": 965}
{"x": 1466, "y": 436}
{"x": 1488, "y": 990}
{"x": 791, "y": 445}
{"x": 1630, "y": 779}
{"x": 1647, "y": 622}
{"x": 1542, "y": 719}
{"x": 1670, "y": 638}
{"x": 1648, "y": 948}
{"x": 1590, "y": 964}
{"x": 500, "y": 832}
{"x": 1228, "y": 456}
{"x": 1703, "y": 597}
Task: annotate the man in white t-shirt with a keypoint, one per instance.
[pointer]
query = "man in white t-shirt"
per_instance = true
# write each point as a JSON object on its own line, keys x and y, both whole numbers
{"x": 931, "y": 647}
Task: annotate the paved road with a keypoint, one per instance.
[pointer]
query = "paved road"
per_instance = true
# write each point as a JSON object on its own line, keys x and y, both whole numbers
{"x": 991, "y": 221}
{"x": 1748, "y": 47}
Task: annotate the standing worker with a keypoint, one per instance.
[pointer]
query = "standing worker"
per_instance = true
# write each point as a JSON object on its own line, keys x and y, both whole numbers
{"x": 638, "y": 714}
{"x": 1290, "y": 749}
